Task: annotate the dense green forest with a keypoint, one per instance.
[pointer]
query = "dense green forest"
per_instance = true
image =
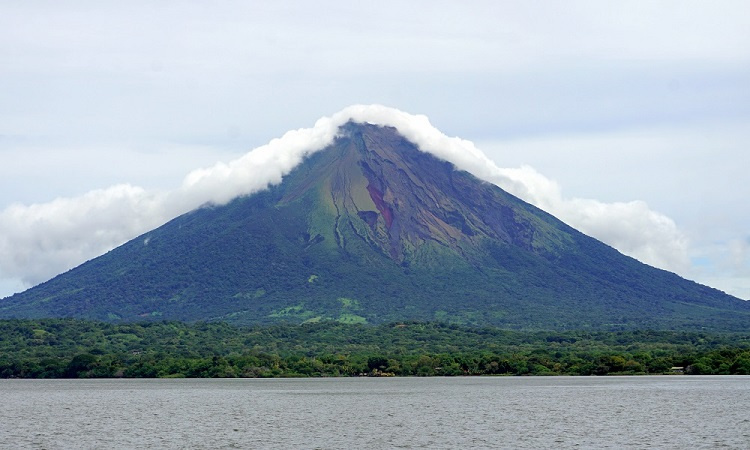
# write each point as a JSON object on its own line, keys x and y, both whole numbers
{"x": 55, "y": 348}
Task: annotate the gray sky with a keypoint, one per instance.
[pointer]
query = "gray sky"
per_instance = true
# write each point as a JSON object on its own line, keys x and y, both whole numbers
{"x": 630, "y": 113}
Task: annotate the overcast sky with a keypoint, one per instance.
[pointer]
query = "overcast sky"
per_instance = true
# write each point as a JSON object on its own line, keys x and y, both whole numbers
{"x": 631, "y": 119}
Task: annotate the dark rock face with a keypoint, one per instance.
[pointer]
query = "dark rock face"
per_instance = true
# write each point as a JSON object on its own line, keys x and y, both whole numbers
{"x": 373, "y": 230}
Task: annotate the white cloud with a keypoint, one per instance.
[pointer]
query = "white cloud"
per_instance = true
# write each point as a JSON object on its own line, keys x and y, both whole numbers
{"x": 631, "y": 227}
{"x": 257, "y": 169}
{"x": 40, "y": 240}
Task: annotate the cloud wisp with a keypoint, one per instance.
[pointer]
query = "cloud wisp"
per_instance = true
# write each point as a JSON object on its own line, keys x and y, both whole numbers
{"x": 39, "y": 241}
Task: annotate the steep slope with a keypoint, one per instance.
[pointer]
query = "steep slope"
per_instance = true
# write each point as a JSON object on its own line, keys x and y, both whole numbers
{"x": 371, "y": 229}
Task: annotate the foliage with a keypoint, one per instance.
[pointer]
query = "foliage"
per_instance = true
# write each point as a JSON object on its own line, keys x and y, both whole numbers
{"x": 55, "y": 348}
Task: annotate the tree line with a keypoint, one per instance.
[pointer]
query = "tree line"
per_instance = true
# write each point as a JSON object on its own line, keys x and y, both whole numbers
{"x": 66, "y": 348}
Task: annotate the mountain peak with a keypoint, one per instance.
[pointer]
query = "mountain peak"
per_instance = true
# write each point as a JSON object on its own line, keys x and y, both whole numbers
{"x": 403, "y": 200}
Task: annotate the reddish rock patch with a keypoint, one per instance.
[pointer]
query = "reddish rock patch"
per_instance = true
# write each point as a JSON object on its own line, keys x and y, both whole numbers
{"x": 385, "y": 210}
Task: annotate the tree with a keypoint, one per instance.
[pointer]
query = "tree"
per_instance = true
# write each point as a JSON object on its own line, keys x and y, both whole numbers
{"x": 80, "y": 365}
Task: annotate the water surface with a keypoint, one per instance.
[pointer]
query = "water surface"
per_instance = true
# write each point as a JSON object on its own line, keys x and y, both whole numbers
{"x": 503, "y": 412}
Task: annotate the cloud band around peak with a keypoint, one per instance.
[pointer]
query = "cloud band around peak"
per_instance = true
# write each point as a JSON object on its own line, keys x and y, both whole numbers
{"x": 39, "y": 241}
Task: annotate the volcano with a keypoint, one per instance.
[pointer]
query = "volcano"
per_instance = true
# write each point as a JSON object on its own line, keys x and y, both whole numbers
{"x": 370, "y": 230}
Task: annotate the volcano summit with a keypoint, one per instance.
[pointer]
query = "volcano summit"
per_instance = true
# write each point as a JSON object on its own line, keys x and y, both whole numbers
{"x": 371, "y": 229}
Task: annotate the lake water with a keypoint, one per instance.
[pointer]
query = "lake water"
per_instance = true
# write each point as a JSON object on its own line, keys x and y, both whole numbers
{"x": 517, "y": 412}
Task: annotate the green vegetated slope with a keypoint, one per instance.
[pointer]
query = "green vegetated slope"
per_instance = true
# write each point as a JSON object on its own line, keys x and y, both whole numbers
{"x": 54, "y": 348}
{"x": 371, "y": 230}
